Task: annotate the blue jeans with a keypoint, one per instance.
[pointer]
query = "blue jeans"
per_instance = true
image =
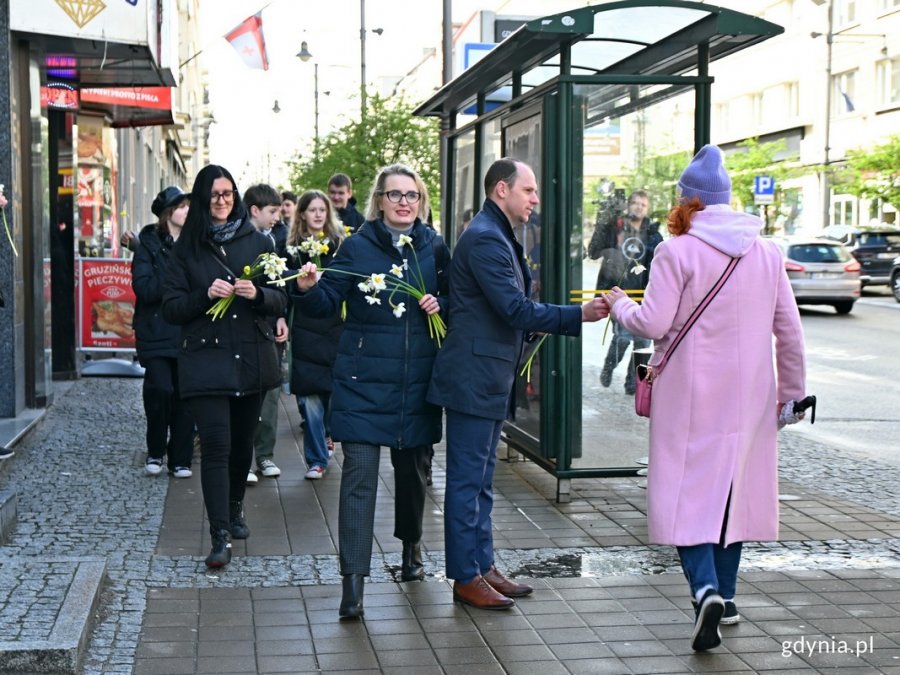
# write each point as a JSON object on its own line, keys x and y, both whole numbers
{"x": 313, "y": 410}
{"x": 711, "y": 565}
{"x": 622, "y": 339}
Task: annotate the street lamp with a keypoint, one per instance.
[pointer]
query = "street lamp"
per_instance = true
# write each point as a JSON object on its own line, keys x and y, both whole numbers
{"x": 362, "y": 57}
{"x": 305, "y": 55}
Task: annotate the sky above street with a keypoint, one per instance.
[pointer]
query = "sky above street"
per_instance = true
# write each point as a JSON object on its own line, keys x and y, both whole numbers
{"x": 249, "y": 138}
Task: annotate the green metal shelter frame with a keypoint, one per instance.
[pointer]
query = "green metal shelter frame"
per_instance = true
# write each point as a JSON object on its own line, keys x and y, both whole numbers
{"x": 537, "y": 91}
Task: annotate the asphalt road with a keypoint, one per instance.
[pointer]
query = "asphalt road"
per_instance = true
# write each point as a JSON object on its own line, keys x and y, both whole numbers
{"x": 853, "y": 362}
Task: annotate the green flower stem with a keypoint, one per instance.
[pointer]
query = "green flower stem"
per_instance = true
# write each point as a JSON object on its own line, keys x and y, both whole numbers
{"x": 526, "y": 369}
{"x": 8, "y": 233}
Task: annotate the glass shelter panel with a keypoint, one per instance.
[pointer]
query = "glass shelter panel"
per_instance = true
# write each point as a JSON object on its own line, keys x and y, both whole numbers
{"x": 629, "y": 165}
{"x": 523, "y": 140}
{"x": 464, "y": 179}
{"x": 491, "y": 150}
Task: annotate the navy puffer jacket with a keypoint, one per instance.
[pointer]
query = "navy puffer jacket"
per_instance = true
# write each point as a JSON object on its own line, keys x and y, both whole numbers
{"x": 384, "y": 363}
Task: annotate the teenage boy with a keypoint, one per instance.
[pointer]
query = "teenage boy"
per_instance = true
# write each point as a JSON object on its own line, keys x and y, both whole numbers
{"x": 340, "y": 192}
{"x": 283, "y": 225}
{"x": 264, "y": 206}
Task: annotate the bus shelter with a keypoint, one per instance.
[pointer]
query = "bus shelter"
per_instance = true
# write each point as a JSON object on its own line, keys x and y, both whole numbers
{"x": 596, "y": 100}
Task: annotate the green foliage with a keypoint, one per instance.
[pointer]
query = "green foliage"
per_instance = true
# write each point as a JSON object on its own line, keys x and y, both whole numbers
{"x": 875, "y": 172}
{"x": 390, "y": 133}
{"x": 757, "y": 159}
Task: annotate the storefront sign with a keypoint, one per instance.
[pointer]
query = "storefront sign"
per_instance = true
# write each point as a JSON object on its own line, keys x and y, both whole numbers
{"x": 106, "y": 304}
{"x": 157, "y": 98}
{"x": 59, "y": 96}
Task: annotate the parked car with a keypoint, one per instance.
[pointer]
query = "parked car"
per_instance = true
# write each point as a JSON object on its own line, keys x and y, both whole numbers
{"x": 895, "y": 279}
{"x": 874, "y": 247}
{"x": 822, "y": 272}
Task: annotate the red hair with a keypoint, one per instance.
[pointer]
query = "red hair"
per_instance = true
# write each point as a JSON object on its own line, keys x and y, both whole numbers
{"x": 679, "y": 219}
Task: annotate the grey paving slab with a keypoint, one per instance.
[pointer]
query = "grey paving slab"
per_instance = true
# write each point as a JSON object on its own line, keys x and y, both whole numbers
{"x": 600, "y": 589}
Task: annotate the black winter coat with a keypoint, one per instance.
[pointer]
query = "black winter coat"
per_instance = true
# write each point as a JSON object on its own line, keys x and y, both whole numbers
{"x": 384, "y": 363}
{"x": 314, "y": 342}
{"x": 156, "y": 337}
{"x": 234, "y": 355}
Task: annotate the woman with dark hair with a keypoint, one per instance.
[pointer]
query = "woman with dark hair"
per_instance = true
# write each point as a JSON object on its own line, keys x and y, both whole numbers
{"x": 315, "y": 339}
{"x": 382, "y": 371}
{"x": 170, "y": 429}
{"x": 225, "y": 365}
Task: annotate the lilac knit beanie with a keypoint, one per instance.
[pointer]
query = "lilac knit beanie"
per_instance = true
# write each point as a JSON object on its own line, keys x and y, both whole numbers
{"x": 705, "y": 177}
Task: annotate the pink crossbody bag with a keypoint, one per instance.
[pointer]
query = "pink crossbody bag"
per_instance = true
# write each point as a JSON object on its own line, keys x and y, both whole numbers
{"x": 645, "y": 374}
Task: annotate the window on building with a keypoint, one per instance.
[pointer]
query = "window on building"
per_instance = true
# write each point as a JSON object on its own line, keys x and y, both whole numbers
{"x": 888, "y": 73}
{"x": 844, "y": 12}
{"x": 843, "y": 93}
{"x": 888, "y": 5}
{"x": 779, "y": 103}
{"x": 843, "y": 209}
{"x": 723, "y": 119}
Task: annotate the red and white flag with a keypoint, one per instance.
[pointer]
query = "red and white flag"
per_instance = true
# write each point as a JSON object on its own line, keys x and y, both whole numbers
{"x": 248, "y": 41}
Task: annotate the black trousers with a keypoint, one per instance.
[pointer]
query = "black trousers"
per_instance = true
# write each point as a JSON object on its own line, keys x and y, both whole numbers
{"x": 170, "y": 427}
{"x": 226, "y": 425}
{"x": 359, "y": 487}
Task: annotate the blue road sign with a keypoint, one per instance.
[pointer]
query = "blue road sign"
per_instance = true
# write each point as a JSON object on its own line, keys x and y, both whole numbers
{"x": 763, "y": 189}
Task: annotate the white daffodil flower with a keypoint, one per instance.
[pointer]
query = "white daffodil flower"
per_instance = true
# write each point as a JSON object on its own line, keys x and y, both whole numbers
{"x": 364, "y": 286}
{"x": 405, "y": 239}
{"x": 377, "y": 282}
{"x": 373, "y": 300}
{"x": 638, "y": 269}
{"x": 397, "y": 271}
{"x": 399, "y": 309}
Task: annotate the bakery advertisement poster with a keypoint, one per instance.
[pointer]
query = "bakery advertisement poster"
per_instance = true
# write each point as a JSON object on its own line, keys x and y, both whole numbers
{"x": 107, "y": 304}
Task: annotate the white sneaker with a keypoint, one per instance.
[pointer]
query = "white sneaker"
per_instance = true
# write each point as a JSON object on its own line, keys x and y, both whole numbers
{"x": 252, "y": 478}
{"x": 153, "y": 466}
{"x": 315, "y": 473}
{"x": 268, "y": 469}
{"x": 182, "y": 472}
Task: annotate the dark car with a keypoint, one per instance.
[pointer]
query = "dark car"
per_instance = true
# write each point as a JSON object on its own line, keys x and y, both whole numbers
{"x": 873, "y": 247}
{"x": 895, "y": 279}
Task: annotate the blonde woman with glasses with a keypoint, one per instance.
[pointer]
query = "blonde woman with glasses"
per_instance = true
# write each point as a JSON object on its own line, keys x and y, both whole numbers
{"x": 382, "y": 371}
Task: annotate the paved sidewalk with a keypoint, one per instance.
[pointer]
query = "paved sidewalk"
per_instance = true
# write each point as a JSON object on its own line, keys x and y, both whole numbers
{"x": 605, "y": 601}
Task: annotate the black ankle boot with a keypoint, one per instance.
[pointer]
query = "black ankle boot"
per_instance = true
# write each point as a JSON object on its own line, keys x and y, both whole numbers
{"x": 352, "y": 598}
{"x": 220, "y": 555}
{"x": 411, "y": 568}
{"x": 236, "y": 523}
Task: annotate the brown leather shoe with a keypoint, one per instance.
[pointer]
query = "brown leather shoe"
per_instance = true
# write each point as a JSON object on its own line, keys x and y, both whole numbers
{"x": 478, "y": 593}
{"x": 503, "y": 585}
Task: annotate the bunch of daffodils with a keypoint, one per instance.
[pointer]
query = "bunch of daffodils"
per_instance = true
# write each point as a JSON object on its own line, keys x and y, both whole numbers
{"x": 314, "y": 246}
{"x": 268, "y": 264}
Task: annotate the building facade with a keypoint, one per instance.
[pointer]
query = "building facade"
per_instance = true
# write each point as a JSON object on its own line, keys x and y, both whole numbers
{"x": 96, "y": 117}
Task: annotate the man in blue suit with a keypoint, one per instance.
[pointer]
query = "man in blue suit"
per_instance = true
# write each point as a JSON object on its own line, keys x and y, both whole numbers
{"x": 474, "y": 373}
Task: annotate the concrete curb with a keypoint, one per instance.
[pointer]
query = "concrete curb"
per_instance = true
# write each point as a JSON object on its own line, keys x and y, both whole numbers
{"x": 63, "y": 650}
{"x": 8, "y": 514}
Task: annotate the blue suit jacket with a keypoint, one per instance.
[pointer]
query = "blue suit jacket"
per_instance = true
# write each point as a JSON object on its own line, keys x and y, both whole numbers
{"x": 490, "y": 313}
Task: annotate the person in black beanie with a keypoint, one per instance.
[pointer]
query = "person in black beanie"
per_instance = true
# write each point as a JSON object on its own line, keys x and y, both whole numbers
{"x": 169, "y": 425}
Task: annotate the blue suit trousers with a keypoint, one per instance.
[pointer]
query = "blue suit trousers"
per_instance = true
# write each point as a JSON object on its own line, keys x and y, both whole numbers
{"x": 469, "y": 496}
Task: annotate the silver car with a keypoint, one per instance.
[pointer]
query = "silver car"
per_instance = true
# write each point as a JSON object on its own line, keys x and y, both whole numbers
{"x": 822, "y": 272}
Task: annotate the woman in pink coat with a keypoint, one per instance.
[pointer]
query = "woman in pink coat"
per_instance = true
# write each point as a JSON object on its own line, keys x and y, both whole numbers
{"x": 713, "y": 478}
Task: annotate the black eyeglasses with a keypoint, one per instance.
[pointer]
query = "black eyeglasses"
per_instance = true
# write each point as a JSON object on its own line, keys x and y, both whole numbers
{"x": 395, "y": 196}
{"x": 225, "y": 196}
